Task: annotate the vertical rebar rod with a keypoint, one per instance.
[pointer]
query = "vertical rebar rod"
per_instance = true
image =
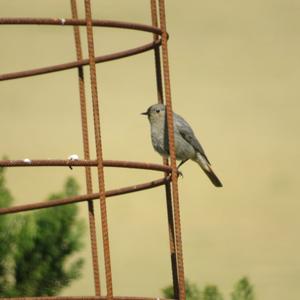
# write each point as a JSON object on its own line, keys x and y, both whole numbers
{"x": 86, "y": 150}
{"x": 168, "y": 193}
{"x": 105, "y": 237}
{"x": 176, "y": 207}
{"x": 159, "y": 82}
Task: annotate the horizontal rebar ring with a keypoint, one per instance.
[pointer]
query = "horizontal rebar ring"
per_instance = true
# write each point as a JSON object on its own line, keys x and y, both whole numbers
{"x": 79, "y": 22}
{"x": 85, "y": 298}
{"x": 84, "y": 163}
{"x": 76, "y": 22}
{"x": 81, "y": 198}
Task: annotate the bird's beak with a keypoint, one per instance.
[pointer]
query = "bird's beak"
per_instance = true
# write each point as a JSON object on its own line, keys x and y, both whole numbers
{"x": 144, "y": 113}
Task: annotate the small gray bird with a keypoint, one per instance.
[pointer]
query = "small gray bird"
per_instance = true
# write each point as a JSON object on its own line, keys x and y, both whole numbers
{"x": 186, "y": 144}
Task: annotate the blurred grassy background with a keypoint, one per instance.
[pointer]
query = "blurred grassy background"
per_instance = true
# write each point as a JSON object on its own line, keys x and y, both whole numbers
{"x": 234, "y": 76}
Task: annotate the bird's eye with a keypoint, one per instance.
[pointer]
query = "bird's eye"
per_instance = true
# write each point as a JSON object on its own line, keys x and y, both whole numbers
{"x": 157, "y": 110}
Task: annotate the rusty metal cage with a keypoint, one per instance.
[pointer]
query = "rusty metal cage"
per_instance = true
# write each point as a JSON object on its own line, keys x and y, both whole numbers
{"x": 170, "y": 174}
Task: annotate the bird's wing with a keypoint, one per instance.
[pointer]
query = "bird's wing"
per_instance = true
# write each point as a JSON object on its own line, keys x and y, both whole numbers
{"x": 187, "y": 133}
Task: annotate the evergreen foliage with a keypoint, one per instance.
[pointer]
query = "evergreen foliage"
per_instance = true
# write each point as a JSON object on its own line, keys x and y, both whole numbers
{"x": 243, "y": 290}
{"x": 36, "y": 256}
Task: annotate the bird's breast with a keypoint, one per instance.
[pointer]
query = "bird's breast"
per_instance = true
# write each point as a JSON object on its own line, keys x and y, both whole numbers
{"x": 159, "y": 140}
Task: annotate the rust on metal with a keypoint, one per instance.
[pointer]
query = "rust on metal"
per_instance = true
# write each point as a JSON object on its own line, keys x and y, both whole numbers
{"x": 170, "y": 125}
{"x": 83, "y": 163}
{"x": 81, "y": 62}
{"x": 76, "y": 64}
{"x": 159, "y": 82}
{"x": 97, "y": 130}
{"x": 159, "y": 85}
{"x": 79, "y": 22}
{"x": 169, "y": 180}
{"x": 86, "y": 151}
{"x": 86, "y": 298}
{"x": 81, "y": 198}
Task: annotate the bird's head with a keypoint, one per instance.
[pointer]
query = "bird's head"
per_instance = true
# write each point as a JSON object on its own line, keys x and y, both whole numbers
{"x": 155, "y": 113}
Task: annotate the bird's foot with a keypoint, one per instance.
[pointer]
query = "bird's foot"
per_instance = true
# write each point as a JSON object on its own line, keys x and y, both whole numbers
{"x": 179, "y": 173}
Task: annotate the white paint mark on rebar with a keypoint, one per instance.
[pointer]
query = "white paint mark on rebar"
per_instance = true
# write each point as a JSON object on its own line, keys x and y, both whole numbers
{"x": 73, "y": 157}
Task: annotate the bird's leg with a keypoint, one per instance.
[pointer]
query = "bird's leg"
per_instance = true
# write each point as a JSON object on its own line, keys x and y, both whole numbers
{"x": 182, "y": 162}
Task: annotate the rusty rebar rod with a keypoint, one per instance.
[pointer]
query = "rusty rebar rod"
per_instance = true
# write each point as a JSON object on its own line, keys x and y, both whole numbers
{"x": 159, "y": 85}
{"x": 81, "y": 198}
{"x": 159, "y": 82}
{"x": 83, "y": 62}
{"x": 101, "y": 183}
{"x": 85, "y": 298}
{"x": 76, "y": 64}
{"x": 86, "y": 150}
{"x": 170, "y": 125}
{"x": 159, "y": 38}
{"x": 78, "y": 22}
{"x": 83, "y": 163}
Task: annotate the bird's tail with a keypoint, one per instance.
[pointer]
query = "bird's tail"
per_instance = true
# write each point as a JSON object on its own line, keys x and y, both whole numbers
{"x": 205, "y": 166}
